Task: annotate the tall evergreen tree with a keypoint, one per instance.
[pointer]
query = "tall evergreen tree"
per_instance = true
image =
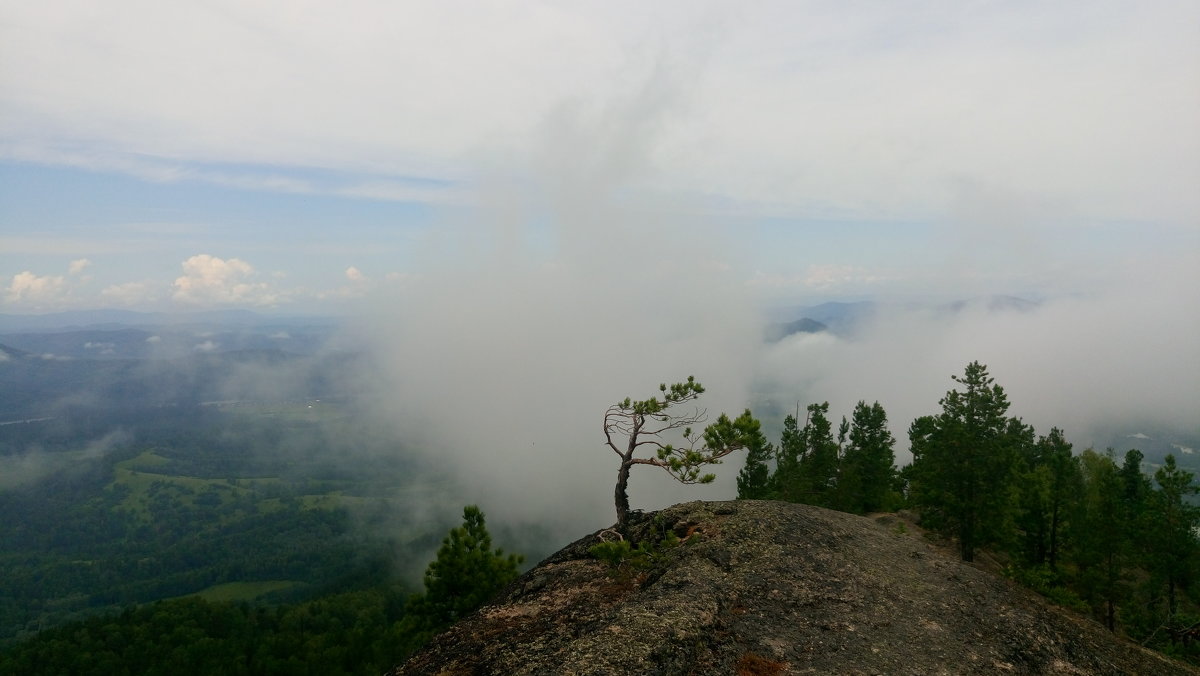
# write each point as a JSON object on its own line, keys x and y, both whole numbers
{"x": 466, "y": 574}
{"x": 867, "y": 470}
{"x": 1100, "y": 546}
{"x": 1050, "y": 482}
{"x": 785, "y": 482}
{"x": 1135, "y": 496}
{"x": 964, "y": 461}
{"x": 819, "y": 466}
{"x": 1173, "y": 533}
{"x": 754, "y": 480}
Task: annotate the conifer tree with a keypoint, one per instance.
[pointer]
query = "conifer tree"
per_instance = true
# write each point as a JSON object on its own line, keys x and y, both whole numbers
{"x": 1135, "y": 496}
{"x": 663, "y": 424}
{"x": 1172, "y": 533}
{"x": 785, "y": 482}
{"x": 1100, "y": 548}
{"x": 754, "y": 480}
{"x": 964, "y": 460}
{"x": 819, "y": 464}
{"x": 867, "y": 469}
{"x": 466, "y": 574}
{"x": 1050, "y": 480}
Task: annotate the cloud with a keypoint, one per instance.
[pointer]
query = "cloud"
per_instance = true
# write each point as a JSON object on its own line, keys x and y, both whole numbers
{"x": 78, "y": 266}
{"x": 802, "y": 108}
{"x": 38, "y": 292}
{"x": 154, "y": 339}
{"x": 354, "y": 275}
{"x": 208, "y": 280}
{"x": 29, "y": 465}
{"x": 102, "y": 347}
{"x": 206, "y": 346}
{"x": 1086, "y": 364}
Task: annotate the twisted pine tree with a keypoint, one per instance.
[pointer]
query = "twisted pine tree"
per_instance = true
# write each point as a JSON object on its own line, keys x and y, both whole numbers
{"x": 630, "y": 425}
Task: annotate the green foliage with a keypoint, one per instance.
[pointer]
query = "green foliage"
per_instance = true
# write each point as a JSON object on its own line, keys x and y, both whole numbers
{"x": 1050, "y": 480}
{"x": 625, "y": 561}
{"x": 363, "y": 631}
{"x": 965, "y": 461}
{"x": 754, "y": 479}
{"x": 812, "y": 468}
{"x": 1046, "y": 581}
{"x": 1172, "y": 536}
{"x": 342, "y": 634}
{"x": 807, "y": 464}
{"x": 1102, "y": 551}
{"x": 867, "y": 471}
{"x": 466, "y": 574}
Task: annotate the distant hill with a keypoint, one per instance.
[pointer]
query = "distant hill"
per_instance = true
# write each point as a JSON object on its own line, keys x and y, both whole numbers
{"x": 776, "y": 588}
{"x": 40, "y": 385}
{"x": 113, "y": 319}
{"x": 994, "y": 304}
{"x": 777, "y": 332}
{"x": 847, "y": 319}
{"x": 166, "y": 342}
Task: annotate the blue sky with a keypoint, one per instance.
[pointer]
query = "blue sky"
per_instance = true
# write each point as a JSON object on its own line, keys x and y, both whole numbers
{"x": 305, "y": 158}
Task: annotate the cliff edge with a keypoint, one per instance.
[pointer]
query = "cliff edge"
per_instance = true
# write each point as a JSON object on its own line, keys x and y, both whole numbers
{"x": 775, "y": 588}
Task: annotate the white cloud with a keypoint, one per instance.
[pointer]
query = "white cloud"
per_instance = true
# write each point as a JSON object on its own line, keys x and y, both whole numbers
{"x": 208, "y": 280}
{"x": 78, "y": 266}
{"x": 101, "y": 347}
{"x": 27, "y": 288}
{"x": 206, "y": 346}
{"x": 154, "y": 339}
{"x": 354, "y": 275}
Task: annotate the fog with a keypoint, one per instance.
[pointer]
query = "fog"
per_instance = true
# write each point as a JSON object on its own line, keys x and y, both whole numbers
{"x": 558, "y": 295}
{"x": 562, "y": 291}
{"x": 33, "y": 463}
{"x": 1086, "y": 364}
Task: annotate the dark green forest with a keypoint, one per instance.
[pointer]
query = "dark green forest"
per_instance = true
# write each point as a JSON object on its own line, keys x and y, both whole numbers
{"x": 252, "y": 539}
{"x": 271, "y": 539}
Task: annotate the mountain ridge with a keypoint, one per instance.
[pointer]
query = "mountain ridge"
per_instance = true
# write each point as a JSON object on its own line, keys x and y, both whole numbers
{"x": 775, "y": 588}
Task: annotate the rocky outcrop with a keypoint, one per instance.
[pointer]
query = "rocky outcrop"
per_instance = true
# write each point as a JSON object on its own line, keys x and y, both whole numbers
{"x": 775, "y": 588}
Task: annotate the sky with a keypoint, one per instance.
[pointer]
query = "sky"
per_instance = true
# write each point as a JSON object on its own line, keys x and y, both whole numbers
{"x": 528, "y": 211}
{"x": 300, "y": 157}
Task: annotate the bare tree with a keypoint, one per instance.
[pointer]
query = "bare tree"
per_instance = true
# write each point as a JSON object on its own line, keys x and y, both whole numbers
{"x": 651, "y": 424}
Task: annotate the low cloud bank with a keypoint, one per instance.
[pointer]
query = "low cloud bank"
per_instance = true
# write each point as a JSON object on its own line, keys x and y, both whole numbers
{"x": 1086, "y": 364}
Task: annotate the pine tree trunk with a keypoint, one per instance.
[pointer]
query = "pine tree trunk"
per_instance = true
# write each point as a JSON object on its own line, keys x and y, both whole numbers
{"x": 621, "y": 496}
